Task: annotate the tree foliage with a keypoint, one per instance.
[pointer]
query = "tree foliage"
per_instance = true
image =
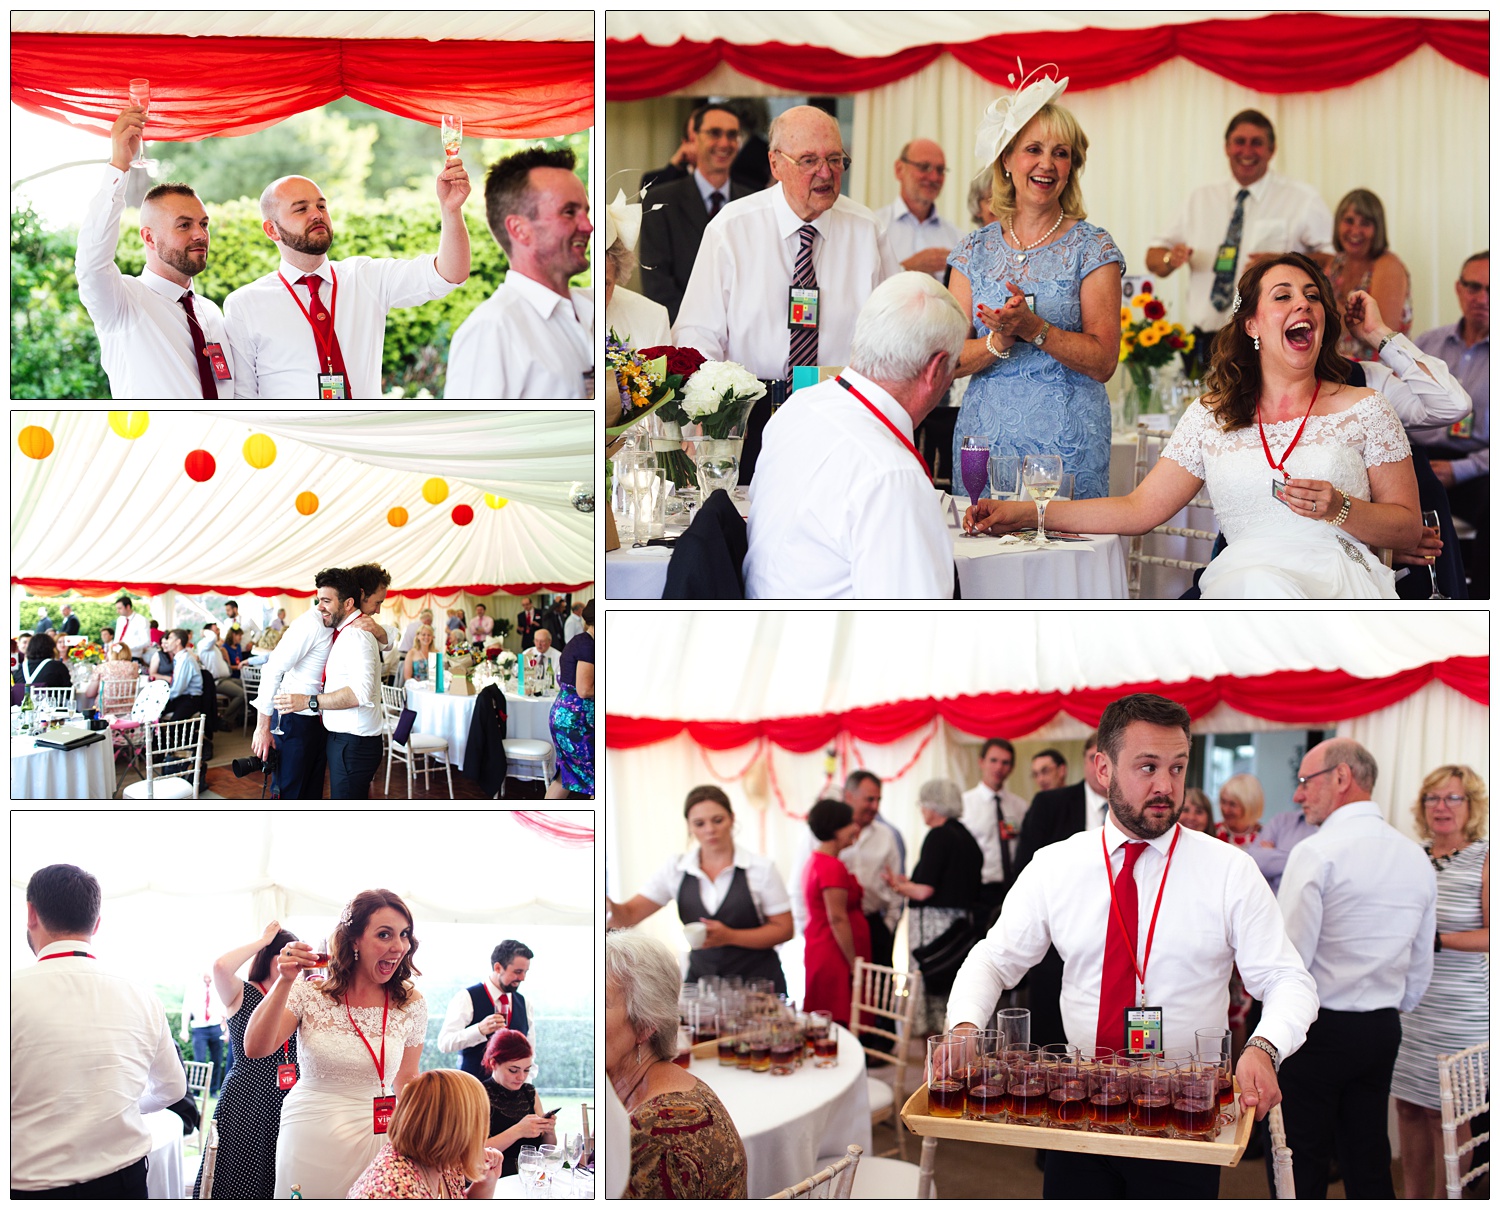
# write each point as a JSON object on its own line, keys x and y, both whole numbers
{"x": 91, "y": 613}
{"x": 54, "y": 353}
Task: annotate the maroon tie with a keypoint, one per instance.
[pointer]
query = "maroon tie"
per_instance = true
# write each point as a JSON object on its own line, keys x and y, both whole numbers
{"x": 327, "y": 337}
{"x": 715, "y": 203}
{"x": 205, "y": 367}
{"x": 1117, "y": 989}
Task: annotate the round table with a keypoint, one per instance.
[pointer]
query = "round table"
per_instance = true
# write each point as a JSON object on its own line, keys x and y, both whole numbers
{"x": 638, "y": 573}
{"x": 164, "y": 1179}
{"x": 448, "y": 715}
{"x": 787, "y": 1122}
{"x": 87, "y": 772}
{"x": 1007, "y": 569}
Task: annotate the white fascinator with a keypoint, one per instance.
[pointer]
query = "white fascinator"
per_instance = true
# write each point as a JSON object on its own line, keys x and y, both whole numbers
{"x": 1007, "y": 116}
{"x": 622, "y": 221}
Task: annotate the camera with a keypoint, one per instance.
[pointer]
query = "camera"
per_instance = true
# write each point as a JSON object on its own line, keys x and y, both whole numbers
{"x": 246, "y": 765}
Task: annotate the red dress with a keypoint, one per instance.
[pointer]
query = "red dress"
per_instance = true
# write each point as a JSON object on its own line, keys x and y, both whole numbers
{"x": 830, "y": 980}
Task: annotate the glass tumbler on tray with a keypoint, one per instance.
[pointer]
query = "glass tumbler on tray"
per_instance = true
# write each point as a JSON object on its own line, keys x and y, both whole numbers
{"x": 985, "y": 1084}
{"x": 947, "y": 1064}
{"x": 1195, "y": 1100}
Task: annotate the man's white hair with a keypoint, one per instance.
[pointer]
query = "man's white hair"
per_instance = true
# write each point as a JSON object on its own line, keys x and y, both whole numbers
{"x": 906, "y": 319}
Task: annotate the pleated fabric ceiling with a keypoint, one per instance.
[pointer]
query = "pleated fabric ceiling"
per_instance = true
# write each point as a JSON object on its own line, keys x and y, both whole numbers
{"x": 259, "y": 502}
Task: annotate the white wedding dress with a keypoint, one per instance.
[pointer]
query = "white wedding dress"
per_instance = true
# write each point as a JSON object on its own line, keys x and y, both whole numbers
{"x": 1273, "y": 552}
{"x": 327, "y": 1133}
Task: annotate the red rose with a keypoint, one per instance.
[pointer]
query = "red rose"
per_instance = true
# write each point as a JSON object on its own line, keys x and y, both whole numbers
{"x": 1146, "y": 288}
{"x": 1176, "y": 342}
{"x": 1155, "y": 309}
{"x": 683, "y": 361}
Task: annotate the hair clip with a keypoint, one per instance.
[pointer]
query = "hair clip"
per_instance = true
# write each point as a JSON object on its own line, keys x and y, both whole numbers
{"x": 1235, "y": 309}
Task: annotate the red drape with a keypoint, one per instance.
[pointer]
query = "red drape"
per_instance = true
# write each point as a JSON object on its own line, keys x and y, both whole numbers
{"x": 556, "y": 828}
{"x": 1288, "y": 52}
{"x": 1283, "y": 697}
{"x": 101, "y": 588}
{"x": 202, "y": 87}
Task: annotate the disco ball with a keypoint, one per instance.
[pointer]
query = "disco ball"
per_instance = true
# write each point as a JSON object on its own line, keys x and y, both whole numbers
{"x": 582, "y": 498}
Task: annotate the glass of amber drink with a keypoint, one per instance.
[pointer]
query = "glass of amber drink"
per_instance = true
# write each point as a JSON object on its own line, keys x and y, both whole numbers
{"x": 947, "y": 1068}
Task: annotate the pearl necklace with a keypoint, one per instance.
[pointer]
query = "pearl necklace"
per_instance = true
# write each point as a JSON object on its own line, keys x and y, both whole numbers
{"x": 1025, "y": 248}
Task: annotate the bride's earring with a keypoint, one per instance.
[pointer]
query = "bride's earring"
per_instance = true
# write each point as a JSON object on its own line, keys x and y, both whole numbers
{"x": 1256, "y": 339}
{"x": 356, "y": 952}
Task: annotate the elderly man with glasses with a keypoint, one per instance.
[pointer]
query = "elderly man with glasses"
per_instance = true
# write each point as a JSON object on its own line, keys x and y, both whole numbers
{"x": 916, "y": 232}
{"x": 781, "y": 275}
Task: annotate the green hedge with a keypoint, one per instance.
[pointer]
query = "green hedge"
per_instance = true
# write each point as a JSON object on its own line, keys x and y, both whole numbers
{"x": 91, "y": 614}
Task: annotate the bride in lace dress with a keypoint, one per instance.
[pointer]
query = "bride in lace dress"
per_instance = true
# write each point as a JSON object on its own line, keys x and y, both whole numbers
{"x": 360, "y": 1033}
{"x": 1307, "y": 475}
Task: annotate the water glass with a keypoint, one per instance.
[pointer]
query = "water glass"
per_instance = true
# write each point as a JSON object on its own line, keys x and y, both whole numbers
{"x": 1014, "y": 1026}
{"x": 1005, "y": 476}
{"x": 1215, "y": 1047}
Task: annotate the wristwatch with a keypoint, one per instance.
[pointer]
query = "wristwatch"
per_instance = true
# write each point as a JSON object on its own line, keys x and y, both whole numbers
{"x": 1041, "y": 337}
{"x": 1262, "y": 1045}
{"x": 312, "y": 704}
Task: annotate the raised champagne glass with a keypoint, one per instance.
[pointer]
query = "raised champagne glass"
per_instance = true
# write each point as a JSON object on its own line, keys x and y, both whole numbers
{"x": 1042, "y": 475}
{"x": 453, "y": 135}
{"x": 140, "y": 94}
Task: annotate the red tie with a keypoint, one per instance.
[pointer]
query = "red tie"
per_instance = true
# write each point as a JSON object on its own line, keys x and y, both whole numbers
{"x": 205, "y": 367}
{"x": 322, "y": 672}
{"x": 1117, "y": 989}
{"x": 205, "y": 1004}
{"x": 327, "y": 337}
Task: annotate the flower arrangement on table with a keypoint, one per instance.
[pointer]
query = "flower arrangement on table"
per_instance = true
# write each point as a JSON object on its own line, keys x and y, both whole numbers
{"x": 86, "y": 653}
{"x": 494, "y": 671}
{"x": 1148, "y": 341}
{"x": 715, "y": 395}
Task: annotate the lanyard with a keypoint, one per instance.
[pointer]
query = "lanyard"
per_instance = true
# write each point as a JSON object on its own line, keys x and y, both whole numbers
{"x": 881, "y": 416}
{"x": 1265, "y": 445}
{"x": 66, "y": 954}
{"x": 1140, "y": 967}
{"x": 379, "y": 1063}
{"x": 323, "y": 354}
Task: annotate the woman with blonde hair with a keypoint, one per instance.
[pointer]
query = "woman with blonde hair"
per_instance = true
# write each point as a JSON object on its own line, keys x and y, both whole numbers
{"x": 1363, "y": 260}
{"x": 1242, "y": 800}
{"x": 1451, "y": 812}
{"x": 435, "y": 1148}
{"x": 416, "y": 663}
{"x": 117, "y": 668}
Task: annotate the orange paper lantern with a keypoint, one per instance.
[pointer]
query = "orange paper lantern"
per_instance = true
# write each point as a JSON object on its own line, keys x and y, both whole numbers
{"x": 35, "y": 441}
{"x": 434, "y": 491}
{"x": 129, "y": 425}
{"x": 260, "y": 451}
{"x": 307, "y": 503}
{"x": 462, "y": 515}
{"x": 200, "y": 466}
{"x": 397, "y": 517}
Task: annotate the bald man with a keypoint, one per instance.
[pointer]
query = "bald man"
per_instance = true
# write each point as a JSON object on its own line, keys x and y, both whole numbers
{"x": 158, "y": 338}
{"x": 315, "y": 328}
{"x": 916, "y": 232}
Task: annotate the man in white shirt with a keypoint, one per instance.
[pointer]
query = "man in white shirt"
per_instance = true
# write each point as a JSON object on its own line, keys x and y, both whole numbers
{"x": 349, "y": 700}
{"x": 544, "y": 650}
{"x": 920, "y": 237}
{"x": 158, "y": 338}
{"x": 203, "y": 1025}
{"x": 211, "y": 656}
{"x": 1216, "y": 913}
{"x": 247, "y": 624}
{"x": 1360, "y": 903}
{"x": 994, "y": 816}
{"x": 495, "y": 1003}
{"x": 533, "y": 338}
{"x": 1225, "y": 227}
{"x": 90, "y": 1053}
{"x": 874, "y": 851}
{"x": 842, "y": 505}
{"x": 132, "y": 630}
{"x": 315, "y": 328}
{"x": 574, "y": 625}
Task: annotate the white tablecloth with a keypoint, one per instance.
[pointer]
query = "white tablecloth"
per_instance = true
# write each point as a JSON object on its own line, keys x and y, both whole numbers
{"x": 448, "y": 715}
{"x": 164, "y": 1162}
{"x": 637, "y": 574}
{"x": 787, "y": 1122}
{"x": 87, "y": 772}
{"x": 993, "y": 569}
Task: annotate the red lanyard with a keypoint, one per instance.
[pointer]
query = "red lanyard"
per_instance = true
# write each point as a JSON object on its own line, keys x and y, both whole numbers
{"x": 379, "y": 1063}
{"x": 324, "y": 354}
{"x": 881, "y": 416}
{"x": 1281, "y": 466}
{"x": 1140, "y": 967}
{"x": 67, "y": 954}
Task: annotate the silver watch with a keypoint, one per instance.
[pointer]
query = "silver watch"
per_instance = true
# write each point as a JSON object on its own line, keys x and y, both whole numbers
{"x": 1041, "y": 337}
{"x": 1266, "y": 1047}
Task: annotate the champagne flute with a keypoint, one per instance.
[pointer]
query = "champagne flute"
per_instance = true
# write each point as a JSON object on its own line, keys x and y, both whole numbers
{"x": 140, "y": 94}
{"x": 453, "y": 135}
{"x": 1042, "y": 474}
{"x": 973, "y": 465}
{"x": 1430, "y": 520}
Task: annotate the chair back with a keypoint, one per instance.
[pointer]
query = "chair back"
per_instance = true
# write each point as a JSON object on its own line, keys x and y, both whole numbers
{"x": 53, "y": 699}
{"x": 833, "y": 1183}
{"x": 174, "y": 749}
{"x": 200, "y": 1078}
{"x": 1149, "y": 440}
{"x": 116, "y": 696}
{"x": 210, "y": 1162}
{"x": 150, "y": 701}
{"x": 393, "y": 697}
{"x": 885, "y": 1003}
{"x": 1464, "y": 1092}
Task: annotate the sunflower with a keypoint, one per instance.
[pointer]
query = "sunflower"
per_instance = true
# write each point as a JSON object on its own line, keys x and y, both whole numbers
{"x": 1149, "y": 337}
{"x": 1140, "y": 300}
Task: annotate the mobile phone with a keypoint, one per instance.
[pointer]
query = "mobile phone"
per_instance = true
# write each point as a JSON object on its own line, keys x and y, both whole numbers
{"x": 552, "y": 1113}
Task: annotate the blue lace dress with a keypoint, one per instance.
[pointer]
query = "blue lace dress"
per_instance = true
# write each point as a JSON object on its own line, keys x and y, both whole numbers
{"x": 1030, "y": 403}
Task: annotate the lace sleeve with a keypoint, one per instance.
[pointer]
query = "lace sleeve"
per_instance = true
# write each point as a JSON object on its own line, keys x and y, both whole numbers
{"x": 959, "y": 258}
{"x": 1385, "y": 439}
{"x": 1186, "y": 444}
{"x": 1100, "y": 250}
{"x": 297, "y": 1001}
{"x": 416, "y": 1020}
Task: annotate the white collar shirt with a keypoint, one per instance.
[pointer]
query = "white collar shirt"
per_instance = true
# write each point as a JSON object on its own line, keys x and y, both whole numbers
{"x": 735, "y": 305}
{"x": 209, "y": 1016}
{"x": 525, "y": 341}
{"x": 839, "y": 507}
{"x": 1281, "y": 215}
{"x": 907, "y": 234}
{"x": 637, "y": 320}
{"x": 552, "y": 655}
{"x": 979, "y": 818}
{"x": 246, "y": 623}
{"x": 572, "y": 628}
{"x": 1216, "y": 913}
{"x": 1360, "y": 902}
{"x": 1095, "y": 808}
{"x": 296, "y": 665}
{"x": 90, "y": 1053}
{"x": 707, "y": 189}
{"x": 134, "y": 633}
{"x": 274, "y": 337}
{"x": 874, "y": 850}
{"x": 354, "y": 663}
{"x": 1420, "y": 388}
{"x": 767, "y": 890}
{"x": 409, "y": 639}
{"x": 212, "y": 658}
{"x": 457, "y": 1033}
{"x": 145, "y": 344}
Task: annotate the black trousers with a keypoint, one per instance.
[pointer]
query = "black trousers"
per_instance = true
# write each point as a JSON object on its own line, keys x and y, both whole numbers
{"x": 1076, "y": 1176}
{"x": 126, "y": 1184}
{"x": 1334, "y": 1093}
{"x": 303, "y": 749}
{"x": 352, "y": 761}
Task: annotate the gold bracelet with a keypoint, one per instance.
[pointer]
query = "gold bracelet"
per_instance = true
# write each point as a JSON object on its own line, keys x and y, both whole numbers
{"x": 1002, "y": 354}
{"x": 1343, "y": 512}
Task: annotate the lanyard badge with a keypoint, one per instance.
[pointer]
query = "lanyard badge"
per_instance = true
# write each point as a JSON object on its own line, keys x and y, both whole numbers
{"x": 384, "y": 1105}
{"x": 215, "y": 354}
{"x": 286, "y": 1071}
{"x": 332, "y": 386}
{"x": 1143, "y": 1030}
{"x": 802, "y": 307}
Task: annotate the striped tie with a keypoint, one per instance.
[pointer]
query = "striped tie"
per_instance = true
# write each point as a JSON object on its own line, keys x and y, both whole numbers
{"x": 804, "y": 349}
{"x": 1223, "y": 288}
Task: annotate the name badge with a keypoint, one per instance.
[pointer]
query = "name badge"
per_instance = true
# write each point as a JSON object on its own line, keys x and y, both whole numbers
{"x": 286, "y": 1075}
{"x": 1226, "y": 257}
{"x": 384, "y": 1107}
{"x": 802, "y": 307}
{"x": 1143, "y": 1031}
{"x": 1463, "y": 428}
{"x": 215, "y": 354}
{"x": 332, "y": 386}
{"x": 1278, "y": 489}
{"x": 1031, "y": 303}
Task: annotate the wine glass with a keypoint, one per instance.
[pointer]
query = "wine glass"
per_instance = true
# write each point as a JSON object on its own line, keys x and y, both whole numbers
{"x": 140, "y": 94}
{"x": 973, "y": 465}
{"x": 1430, "y": 520}
{"x": 529, "y": 1167}
{"x": 1005, "y": 476}
{"x": 1042, "y": 475}
{"x": 572, "y": 1142}
{"x": 453, "y": 135}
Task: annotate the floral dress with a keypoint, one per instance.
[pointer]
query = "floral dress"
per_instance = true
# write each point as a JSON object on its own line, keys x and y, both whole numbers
{"x": 392, "y": 1176}
{"x": 1352, "y": 346}
{"x": 572, "y": 721}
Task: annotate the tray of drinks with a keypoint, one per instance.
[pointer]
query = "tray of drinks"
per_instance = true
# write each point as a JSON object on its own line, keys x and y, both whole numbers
{"x": 1099, "y": 1130}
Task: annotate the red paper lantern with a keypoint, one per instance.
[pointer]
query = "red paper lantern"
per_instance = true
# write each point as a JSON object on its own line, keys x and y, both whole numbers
{"x": 199, "y": 466}
{"x": 397, "y": 517}
{"x": 462, "y": 515}
{"x": 307, "y": 503}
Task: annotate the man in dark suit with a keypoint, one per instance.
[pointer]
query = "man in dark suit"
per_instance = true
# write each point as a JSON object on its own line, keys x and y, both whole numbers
{"x": 679, "y": 166}
{"x": 676, "y": 212}
{"x": 528, "y": 622}
{"x": 69, "y": 622}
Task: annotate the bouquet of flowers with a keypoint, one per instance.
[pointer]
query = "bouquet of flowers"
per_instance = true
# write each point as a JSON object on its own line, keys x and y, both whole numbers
{"x": 679, "y": 365}
{"x": 719, "y": 397}
{"x": 86, "y": 653}
{"x": 1149, "y": 342}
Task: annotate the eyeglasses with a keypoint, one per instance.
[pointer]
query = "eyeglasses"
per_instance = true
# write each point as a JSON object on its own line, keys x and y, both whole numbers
{"x": 809, "y": 164}
{"x": 715, "y": 132}
{"x": 1302, "y": 781}
{"x": 1474, "y": 287}
{"x": 1453, "y": 800}
{"x": 924, "y": 168}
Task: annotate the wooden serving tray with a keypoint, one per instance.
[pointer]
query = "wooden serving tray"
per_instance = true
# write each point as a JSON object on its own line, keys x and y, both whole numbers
{"x": 1224, "y": 1149}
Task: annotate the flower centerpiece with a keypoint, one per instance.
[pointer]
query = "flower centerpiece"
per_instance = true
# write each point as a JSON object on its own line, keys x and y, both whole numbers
{"x": 86, "y": 653}
{"x": 679, "y": 364}
{"x": 718, "y": 399}
{"x": 1148, "y": 342}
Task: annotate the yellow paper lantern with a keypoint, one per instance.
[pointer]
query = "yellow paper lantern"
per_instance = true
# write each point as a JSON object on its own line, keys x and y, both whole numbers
{"x": 260, "y": 451}
{"x": 397, "y": 517}
{"x": 307, "y": 503}
{"x": 129, "y": 425}
{"x": 35, "y": 441}
{"x": 434, "y": 491}
{"x": 495, "y": 501}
